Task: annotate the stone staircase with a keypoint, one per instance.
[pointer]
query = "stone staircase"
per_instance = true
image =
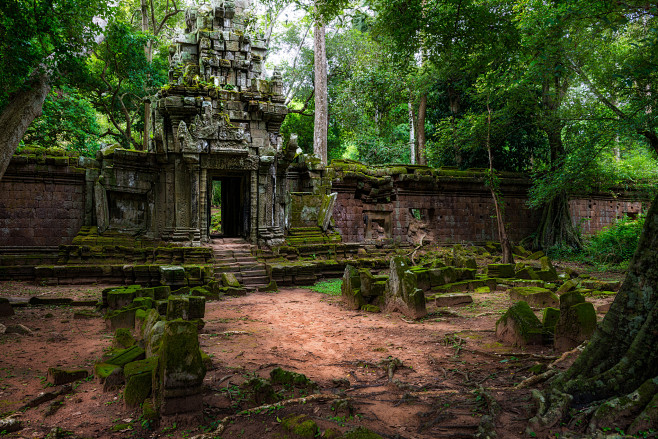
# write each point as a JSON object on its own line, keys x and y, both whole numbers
{"x": 234, "y": 255}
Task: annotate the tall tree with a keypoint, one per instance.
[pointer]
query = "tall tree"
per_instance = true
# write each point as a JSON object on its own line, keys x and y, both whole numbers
{"x": 40, "y": 41}
{"x": 321, "y": 122}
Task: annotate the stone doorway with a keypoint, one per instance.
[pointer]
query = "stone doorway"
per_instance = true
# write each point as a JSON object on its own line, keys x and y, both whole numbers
{"x": 228, "y": 206}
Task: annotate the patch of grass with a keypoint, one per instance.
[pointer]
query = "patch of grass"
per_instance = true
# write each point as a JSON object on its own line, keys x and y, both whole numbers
{"x": 330, "y": 287}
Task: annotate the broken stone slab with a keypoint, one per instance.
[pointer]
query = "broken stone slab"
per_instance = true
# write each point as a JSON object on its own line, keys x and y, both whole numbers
{"x": 6, "y": 309}
{"x": 125, "y": 356}
{"x": 123, "y": 338}
{"x": 535, "y": 296}
{"x": 402, "y": 293}
{"x": 57, "y": 376}
{"x": 577, "y": 321}
{"x": 601, "y": 285}
{"x": 452, "y": 299}
{"x": 520, "y": 326}
{"x": 326, "y": 211}
{"x": 173, "y": 275}
{"x": 536, "y": 255}
{"x": 119, "y": 298}
{"x": 526, "y": 273}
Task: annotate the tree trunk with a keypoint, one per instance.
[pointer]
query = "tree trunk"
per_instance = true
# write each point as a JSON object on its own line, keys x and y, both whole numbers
{"x": 321, "y": 104}
{"x": 412, "y": 135}
{"x": 16, "y": 117}
{"x": 148, "y": 51}
{"x": 622, "y": 356}
{"x": 556, "y": 227}
{"x": 422, "y": 112}
{"x": 506, "y": 246}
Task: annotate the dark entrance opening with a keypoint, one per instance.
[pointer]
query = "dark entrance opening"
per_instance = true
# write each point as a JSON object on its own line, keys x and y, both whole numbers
{"x": 228, "y": 207}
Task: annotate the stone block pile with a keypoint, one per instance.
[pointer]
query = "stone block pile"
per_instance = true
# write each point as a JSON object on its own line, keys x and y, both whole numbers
{"x": 533, "y": 284}
{"x": 156, "y": 349}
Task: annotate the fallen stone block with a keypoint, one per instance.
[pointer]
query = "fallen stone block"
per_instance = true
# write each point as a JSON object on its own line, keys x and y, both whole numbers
{"x": 18, "y": 329}
{"x": 351, "y": 288}
{"x": 57, "y": 377}
{"x": 519, "y": 326}
{"x": 452, "y": 299}
{"x": 402, "y": 293}
{"x": 535, "y": 296}
{"x": 503, "y": 271}
{"x": 577, "y": 321}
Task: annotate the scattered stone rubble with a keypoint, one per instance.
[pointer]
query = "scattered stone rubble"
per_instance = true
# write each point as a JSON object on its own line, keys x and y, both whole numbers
{"x": 533, "y": 284}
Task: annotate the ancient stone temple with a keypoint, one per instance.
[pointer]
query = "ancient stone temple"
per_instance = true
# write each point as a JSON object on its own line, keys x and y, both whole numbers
{"x": 216, "y": 120}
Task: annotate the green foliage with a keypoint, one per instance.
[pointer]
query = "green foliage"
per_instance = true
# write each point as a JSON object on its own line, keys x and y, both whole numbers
{"x": 118, "y": 79}
{"x": 302, "y": 126}
{"x": 610, "y": 248}
{"x": 43, "y": 34}
{"x": 68, "y": 121}
{"x": 330, "y": 287}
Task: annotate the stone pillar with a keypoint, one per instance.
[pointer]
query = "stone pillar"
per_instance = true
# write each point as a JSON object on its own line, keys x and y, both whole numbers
{"x": 192, "y": 165}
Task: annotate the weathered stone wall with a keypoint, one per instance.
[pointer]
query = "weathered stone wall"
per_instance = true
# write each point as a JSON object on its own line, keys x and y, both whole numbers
{"x": 598, "y": 211}
{"x": 407, "y": 203}
{"x": 42, "y": 201}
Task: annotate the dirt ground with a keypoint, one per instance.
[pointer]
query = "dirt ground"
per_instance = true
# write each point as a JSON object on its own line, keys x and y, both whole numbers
{"x": 403, "y": 379}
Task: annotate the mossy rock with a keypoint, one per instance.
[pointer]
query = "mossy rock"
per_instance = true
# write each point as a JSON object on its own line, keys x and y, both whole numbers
{"x": 536, "y": 255}
{"x": 123, "y": 338}
{"x": 300, "y": 425}
{"x": 145, "y": 303}
{"x": 520, "y": 326}
{"x": 370, "y": 308}
{"x": 121, "y": 318}
{"x": 229, "y": 280}
{"x": 576, "y": 324}
{"x": 182, "y": 291}
{"x": 286, "y": 377}
{"x": 139, "y": 386}
{"x": 526, "y": 273}
{"x": 535, "y": 296}
{"x": 441, "y": 276}
{"x": 567, "y": 286}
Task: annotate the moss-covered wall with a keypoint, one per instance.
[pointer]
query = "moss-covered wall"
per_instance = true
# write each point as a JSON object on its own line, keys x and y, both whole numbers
{"x": 405, "y": 203}
{"x": 42, "y": 199}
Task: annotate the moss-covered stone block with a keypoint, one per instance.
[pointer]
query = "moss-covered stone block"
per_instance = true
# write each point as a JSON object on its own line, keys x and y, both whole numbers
{"x": 550, "y": 317}
{"x": 536, "y": 255}
{"x": 370, "y": 308}
{"x": 103, "y": 370}
{"x": 519, "y": 326}
{"x": 567, "y": 286}
{"x": 144, "y": 303}
{"x": 178, "y": 308}
{"x": 125, "y": 356}
{"x": 351, "y": 288}
{"x": 260, "y": 391}
{"x": 120, "y": 318}
{"x": 123, "y": 338}
{"x": 196, "y": 307}
{"x": 577, "y": 321}
{"x": 535, "y": 296}
{"x": 180, "y": 371}
{"x": 182, "y": 291}
{"x": 229, "y": 280}
{"x": 402, "y": 294}
{"x": 139, "y": 381}
{"x": 527, "y": 273}
{"x": 503, "y": 271}
{"x": 466, "y": 273}
{"x": 441, "y": 276}
{"x": 118, "y": 298}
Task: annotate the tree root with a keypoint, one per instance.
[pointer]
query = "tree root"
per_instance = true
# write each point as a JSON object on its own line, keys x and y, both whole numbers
{"x": 487, "y": 427}
{"x": 549, "y": 410}
{"x": 319, "y": 397}
{"x": 536, "y": 379}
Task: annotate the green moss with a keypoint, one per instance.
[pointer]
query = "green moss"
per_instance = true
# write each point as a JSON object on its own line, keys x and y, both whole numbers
{"x": 300, "y": 425}
{"x": 138, "y": 388}
{"x": 125, "y": 356}
{"x": 550, "y": 317}
{"x": 103, "y": 370}
{"x": 285, "y": 377}
{"x": 123, "y": 338}
{"x": 529, "y": 327}
{"x": 370, "y": 308}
